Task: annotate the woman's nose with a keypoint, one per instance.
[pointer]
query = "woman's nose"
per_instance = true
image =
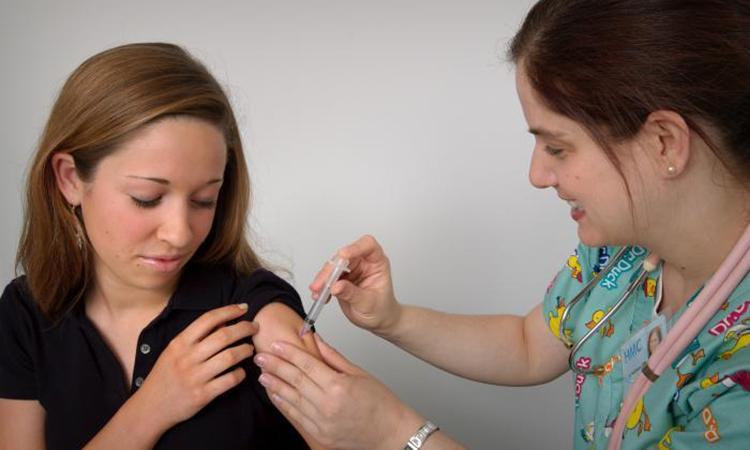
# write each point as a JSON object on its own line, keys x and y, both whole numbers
{"x": 175, "y": 228}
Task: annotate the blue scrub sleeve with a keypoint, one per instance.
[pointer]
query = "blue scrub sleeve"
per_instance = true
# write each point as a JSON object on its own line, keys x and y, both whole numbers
{"x": 578, "y": 269}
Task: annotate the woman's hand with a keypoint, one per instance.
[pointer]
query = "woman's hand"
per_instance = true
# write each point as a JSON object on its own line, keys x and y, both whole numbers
{"x": 189, "y": 373}
{"x": 366, "y": 292}
{"x": 337, "y": 403}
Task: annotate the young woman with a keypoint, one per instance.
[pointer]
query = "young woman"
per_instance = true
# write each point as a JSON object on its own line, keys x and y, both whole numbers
{"x": 132, "y": 325}
{"x": 641, "y": 115}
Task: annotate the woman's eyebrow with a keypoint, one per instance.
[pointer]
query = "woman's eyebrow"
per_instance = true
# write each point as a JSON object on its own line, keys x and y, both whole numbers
{"x": 166, "y": 182}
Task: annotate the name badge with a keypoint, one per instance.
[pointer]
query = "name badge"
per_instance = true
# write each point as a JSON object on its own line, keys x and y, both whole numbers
{"x": 636, "y": 350}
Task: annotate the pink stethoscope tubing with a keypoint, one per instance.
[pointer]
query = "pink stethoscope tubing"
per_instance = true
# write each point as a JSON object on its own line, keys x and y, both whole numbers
{"x": 729, "y": 274}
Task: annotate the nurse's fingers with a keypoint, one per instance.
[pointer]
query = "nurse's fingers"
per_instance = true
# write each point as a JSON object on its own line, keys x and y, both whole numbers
{"x": 295, "y": 415}
{"x": 289, "y": 399}
{"x": 320, "y": 279}
{"x": 335, "y": 359}
{"x": 364, "y": 248}
{"x": 297, "y": 376}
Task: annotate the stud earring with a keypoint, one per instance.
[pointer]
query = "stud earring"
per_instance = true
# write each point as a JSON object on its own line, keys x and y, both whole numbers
{"x": 671, "y": 170}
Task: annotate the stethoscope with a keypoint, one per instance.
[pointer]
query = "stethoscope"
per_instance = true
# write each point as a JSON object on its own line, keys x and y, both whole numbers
{"x": 648, "y": 265}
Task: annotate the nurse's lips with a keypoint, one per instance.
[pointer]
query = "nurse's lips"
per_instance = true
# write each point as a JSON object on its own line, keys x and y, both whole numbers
{"x": 576, "y": 212}
{"x": 162, "y": 263}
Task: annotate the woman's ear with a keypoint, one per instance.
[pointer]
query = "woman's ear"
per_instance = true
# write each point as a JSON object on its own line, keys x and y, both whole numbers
{"x": 669, "y": 142}
{"x": 68, "y": 182}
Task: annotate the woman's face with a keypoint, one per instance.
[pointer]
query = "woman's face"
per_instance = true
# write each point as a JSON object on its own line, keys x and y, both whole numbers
{"x": 151, "y": 203}
{"x": 567, "y": 159}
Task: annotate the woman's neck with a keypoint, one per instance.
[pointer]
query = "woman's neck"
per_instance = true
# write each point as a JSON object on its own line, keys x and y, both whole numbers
{"x": 112, "y": 298}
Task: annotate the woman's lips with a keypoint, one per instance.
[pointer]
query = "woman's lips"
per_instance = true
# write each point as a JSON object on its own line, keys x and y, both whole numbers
{"x": 162, "y": 263}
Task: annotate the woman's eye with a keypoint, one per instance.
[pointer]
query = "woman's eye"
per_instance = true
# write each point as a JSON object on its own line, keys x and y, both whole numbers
{"x": 208, "y": 204}
{"x": 146, "y": 203}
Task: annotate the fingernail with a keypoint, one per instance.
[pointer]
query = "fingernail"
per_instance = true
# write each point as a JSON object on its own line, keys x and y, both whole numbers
{"x": 242, "y": 306}
{"x": 264, "y": 380}
{"x": 259, "y": 360}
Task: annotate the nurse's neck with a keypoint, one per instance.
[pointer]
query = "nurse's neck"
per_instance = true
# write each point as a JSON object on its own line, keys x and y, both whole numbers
{"x": 689, "y": 262}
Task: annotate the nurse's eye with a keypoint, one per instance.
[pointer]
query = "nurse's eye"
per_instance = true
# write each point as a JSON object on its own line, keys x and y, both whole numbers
{"x": 554, "y": 151}
{"x": 141, "y": 203}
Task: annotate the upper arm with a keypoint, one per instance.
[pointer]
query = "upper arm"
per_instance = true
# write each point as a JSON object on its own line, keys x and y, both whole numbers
{"x": 547, "y": 356}
{"x": 21, "y": 424}
{"x": 278, "y": 322}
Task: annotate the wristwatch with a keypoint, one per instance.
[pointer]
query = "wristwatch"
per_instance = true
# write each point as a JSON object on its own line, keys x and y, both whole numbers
{"x": 415, "y": 442}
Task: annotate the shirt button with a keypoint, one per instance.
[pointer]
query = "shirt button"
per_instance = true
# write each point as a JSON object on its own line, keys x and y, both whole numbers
{"x": 145, "y": 349}
{"x": 138, "y": 381}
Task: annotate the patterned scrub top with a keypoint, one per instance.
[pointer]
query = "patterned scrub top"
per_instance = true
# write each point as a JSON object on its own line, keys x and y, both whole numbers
{"x": 700, "y": 401}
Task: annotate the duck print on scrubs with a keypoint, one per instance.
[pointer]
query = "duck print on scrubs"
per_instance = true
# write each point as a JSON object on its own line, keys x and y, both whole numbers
{"x": 700, "y": 400}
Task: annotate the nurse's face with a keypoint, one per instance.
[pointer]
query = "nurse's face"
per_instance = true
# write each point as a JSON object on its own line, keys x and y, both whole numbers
{"x": 151, "y": 203}
{"x": 567, "y": 159}
{"x": 654, "y": 338}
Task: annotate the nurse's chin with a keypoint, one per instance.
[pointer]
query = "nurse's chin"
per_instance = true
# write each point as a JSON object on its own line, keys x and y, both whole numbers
{"x": 590, "y": 238}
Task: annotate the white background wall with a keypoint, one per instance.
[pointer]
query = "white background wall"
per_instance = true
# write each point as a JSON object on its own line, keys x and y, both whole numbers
{"x": 396, "y": 118}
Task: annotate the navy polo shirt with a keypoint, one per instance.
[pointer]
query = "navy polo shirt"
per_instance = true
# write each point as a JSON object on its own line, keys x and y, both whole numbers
{"x": 75, "y": 376}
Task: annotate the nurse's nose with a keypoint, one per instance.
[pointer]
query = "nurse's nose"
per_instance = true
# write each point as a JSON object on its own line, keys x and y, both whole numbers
{"x": 541, "y": 174}
{"x": 175, "y": 228}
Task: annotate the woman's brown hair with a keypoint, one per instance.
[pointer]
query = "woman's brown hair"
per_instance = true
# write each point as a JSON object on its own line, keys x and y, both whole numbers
{"x": 607, "y": 64}
{"x": 103, "y": 102}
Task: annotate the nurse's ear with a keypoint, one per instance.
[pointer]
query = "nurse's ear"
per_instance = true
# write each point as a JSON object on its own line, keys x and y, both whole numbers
{"x": 66, "y": 177}
{"x": 667, "y": 137}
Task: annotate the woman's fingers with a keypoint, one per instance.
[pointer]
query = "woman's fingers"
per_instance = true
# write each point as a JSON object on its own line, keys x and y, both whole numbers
{"x": 222, "y": 338}
{"x": 223, "y": 383}
{"x": 225, "y": 359}
{"x": 209, "y": 321}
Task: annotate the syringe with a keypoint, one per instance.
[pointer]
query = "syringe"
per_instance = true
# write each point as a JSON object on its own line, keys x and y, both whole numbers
{"x": 340, "y": 265}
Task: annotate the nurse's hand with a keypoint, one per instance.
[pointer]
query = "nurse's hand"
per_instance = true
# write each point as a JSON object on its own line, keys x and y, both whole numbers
{"x": 337, "y": 403}
{"x": 366, "y": 292}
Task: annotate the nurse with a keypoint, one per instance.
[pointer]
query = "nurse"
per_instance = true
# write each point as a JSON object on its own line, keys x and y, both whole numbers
{"x": 641, "y": 116}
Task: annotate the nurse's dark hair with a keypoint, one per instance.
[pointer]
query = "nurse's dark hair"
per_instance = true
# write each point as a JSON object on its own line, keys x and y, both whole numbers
{"x": 607, "y": 64}
{"x": 104, "y": 101}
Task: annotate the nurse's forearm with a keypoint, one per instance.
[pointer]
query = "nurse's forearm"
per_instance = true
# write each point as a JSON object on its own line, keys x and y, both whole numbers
{"x": 497, "y": 349}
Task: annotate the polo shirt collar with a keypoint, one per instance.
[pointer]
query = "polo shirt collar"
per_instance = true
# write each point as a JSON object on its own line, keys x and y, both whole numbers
{"x": 201, "y": 288}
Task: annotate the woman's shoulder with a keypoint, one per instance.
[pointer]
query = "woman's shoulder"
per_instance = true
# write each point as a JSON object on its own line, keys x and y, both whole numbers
{"x": 16, "y": 301}
{"x": 262, "y": 287}
{"x": 257, "y": 288}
